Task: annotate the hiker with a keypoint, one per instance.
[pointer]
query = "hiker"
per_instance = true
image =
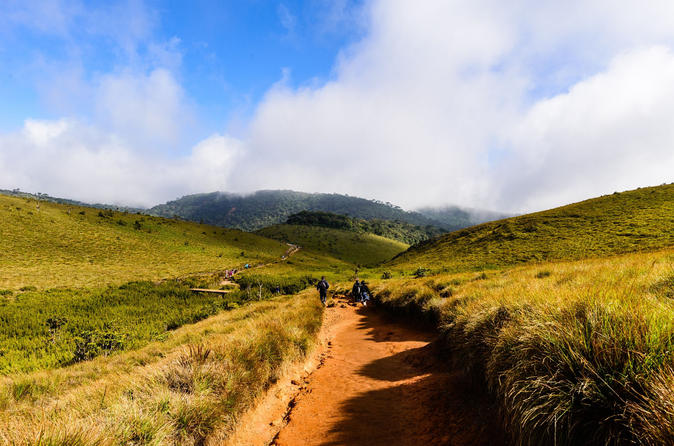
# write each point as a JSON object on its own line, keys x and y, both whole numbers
{"x": 364, "y": 293}
{"x": 355, "y": 292}
{"x": 322, "y": 287}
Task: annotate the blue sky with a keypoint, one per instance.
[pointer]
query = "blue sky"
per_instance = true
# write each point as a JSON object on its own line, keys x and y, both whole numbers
{"x": 513, "y": 106}
{"x": 231, "y": 52}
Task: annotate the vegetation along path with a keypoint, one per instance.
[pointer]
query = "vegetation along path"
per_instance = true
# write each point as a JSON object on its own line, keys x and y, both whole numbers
{"x": 380, "y": 384}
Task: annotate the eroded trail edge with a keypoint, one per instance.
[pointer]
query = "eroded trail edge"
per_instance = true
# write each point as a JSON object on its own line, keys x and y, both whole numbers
{"x": 375, "y": 382}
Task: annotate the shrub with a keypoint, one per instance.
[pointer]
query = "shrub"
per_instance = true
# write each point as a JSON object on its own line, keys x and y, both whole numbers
{"x": 421, "y": 272}
{"x": 482, "y": 276}
{"x": 386, "y": 275}
{"x": 91, "y": 343}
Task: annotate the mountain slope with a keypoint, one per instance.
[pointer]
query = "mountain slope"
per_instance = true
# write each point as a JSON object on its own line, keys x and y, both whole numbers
{"x": 50, "y": 245}
{"x": 396, "y": 230}
{"x": 453, "y": 217}
{"x": 359, "y": 248}
{"x": 270, "y": 207}
{"x": 623, "y": 222}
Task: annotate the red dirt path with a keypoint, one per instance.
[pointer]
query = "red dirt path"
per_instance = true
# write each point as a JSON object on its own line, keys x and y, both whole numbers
{"x": 381, "y": 384}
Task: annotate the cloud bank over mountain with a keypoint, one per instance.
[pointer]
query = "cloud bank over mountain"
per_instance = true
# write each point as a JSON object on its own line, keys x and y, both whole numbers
{"x": 517, "y": 107}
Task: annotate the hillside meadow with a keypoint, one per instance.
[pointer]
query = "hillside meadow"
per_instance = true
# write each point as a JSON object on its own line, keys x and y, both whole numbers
{"x": 59, "y": 327}
{"x": 631, "y": 221}
{"x": 49, "y": 245}
{"x": 63, "y": 302}
{"x": 358, "y": 248}
{"x": 575, "y": 352}
{"x": 187, "y": 388}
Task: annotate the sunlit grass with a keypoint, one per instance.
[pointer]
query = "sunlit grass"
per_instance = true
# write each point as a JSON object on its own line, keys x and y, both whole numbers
{"x": 637, "y": 220}
{"x": 575, "y": 352}
{"x": 184, "y": 390}
{"x": 47, "y": 245}
{"x": 359, "y": 248}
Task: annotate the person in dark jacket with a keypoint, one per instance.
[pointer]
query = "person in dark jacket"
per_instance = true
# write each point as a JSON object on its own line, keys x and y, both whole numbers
{"x": 322, "y": 287}
{"x": 355, "y": 292}
{"x": 364, "y": 293}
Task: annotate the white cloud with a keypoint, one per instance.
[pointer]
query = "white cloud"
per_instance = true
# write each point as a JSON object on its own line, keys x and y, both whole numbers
{"x": 287, "y": 19}
{"x": 516, "y": 106}
{"x": 610, "y": 132}
{"x": 69, "y": 159}
{"x": 147, "y": 109}
{"x": 422, "y": 111}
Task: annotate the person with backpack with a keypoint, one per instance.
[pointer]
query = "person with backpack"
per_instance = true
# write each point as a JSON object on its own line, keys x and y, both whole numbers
{"x": 322, "y": 287}
{"x": 355, "y": 292}
{"x": 364, "y": 293}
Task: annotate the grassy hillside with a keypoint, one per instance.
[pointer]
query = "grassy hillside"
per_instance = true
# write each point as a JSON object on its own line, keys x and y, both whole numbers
{"x": 77, "y": 283}
{"x": 51, "y": 245}
{"x": 100, "y": 344}
{"x": 353, "y": 247}
{"x": 270, "y": 207}
{"x": 575, "y": 352}
{"x": 183, "y": 390}
{"x": 395, "y": 230}
{"x": 624, "y": 222}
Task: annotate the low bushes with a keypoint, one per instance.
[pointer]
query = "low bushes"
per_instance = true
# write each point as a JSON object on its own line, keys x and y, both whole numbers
{"x": 52, "y": 328}
{"x": 268, "y": 285}
{"x": 187, "y": 390}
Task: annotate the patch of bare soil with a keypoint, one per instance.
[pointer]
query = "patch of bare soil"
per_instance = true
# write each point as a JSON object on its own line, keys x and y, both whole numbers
{"x": 378, "y": 383}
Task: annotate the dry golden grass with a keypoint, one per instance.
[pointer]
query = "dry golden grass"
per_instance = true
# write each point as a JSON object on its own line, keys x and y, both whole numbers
{"x": 575, "y": 352}
{"x": 185, "y": 390}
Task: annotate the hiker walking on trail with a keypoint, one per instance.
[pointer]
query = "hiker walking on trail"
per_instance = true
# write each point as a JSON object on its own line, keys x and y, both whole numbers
{"x": 364, "y": 293}
{"x": 322, "y": 287}
{"x": 355, "y": 292}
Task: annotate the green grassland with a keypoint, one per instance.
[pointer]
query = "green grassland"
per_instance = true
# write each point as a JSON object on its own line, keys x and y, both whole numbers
{"x": 102, "y": 342}
{"x": 565, "y": 316}
{"x": 637, "y": 220}
{"x": 57, "y": 327}
{"x": 187, "y": 389}
{"x": 50, "y": 245}
{"x": 358, "y": 248}
{"x": 394, "y": 230}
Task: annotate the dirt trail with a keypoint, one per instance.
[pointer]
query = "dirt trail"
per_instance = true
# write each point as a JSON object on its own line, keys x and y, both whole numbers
{"x": 380, "y": 384}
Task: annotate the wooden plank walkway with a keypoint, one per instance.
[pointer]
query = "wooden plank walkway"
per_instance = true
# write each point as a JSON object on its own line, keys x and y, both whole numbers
{"x": 206, "y": 290}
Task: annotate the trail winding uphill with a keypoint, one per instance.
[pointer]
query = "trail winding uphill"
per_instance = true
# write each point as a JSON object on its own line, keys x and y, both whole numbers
{"x": 379, "y": 383}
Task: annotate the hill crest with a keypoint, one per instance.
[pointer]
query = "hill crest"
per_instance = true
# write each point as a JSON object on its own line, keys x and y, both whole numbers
{"x": 637, "y": 220}
{"x": 269, "y": 207}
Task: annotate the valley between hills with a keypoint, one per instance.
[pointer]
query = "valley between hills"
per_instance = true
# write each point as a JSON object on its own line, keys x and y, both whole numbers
{"x": 555, "y": 327}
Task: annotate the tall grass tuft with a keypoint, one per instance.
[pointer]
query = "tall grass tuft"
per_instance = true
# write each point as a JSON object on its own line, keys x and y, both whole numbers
{"x": 589, "y": 360}
{"x": 188, "y": 389}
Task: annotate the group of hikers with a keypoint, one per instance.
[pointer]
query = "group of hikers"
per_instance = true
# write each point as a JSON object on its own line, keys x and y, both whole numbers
{"x": 229, "y": 273}
{"x": 360, "y": 293}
